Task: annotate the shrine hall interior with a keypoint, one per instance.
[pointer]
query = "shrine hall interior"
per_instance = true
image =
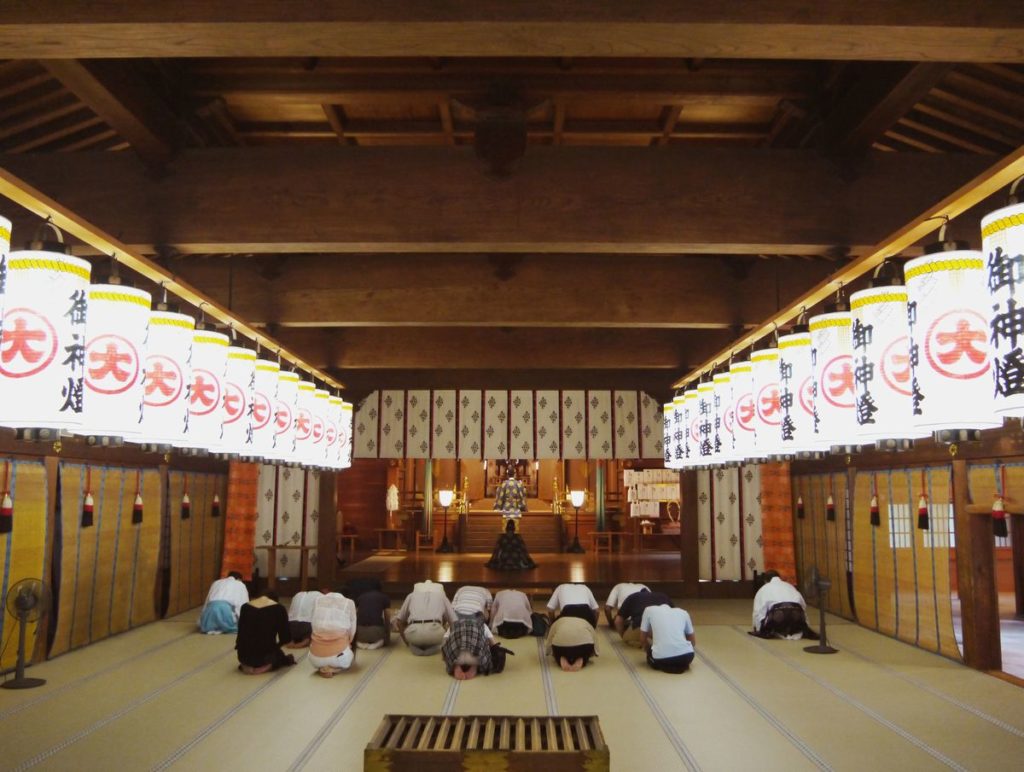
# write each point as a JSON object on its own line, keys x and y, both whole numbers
{"x": 515, "y": 235}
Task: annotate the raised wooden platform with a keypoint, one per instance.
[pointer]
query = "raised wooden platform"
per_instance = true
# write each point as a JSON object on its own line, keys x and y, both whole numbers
{"x": 542, "y": 532}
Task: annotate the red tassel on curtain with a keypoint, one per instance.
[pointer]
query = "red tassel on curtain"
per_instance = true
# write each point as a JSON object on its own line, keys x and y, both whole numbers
{"x": 800, "y": 507}
{"x": 7, "y": 504}
{"x": 830, "y": 505}
{"x": 186, "y": 503}
{"x": 922, "y": 507}
{"x": 876, "y": 519}
{"x": 137, "y": 506}
{"x": 999, "y": 508}
{"x": 87, "y": 502}
{"x": 215, "y": 509}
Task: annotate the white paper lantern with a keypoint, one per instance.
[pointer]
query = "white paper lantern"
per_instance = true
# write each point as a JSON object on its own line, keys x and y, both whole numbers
{"x": 332, "y": 436}
{"x": 796, "y": 395}
{"x": 741, "y": 376}
{"x": 206, "y": 394}
{"x": 767, "y": 410}
{"x": 948, "y": 309}
{"x": 115, "y": 351}
{"x": 691, "y": 419}
{"x": 237, "y": 404}
{"x": 5, "y": 247}
{"x": 264, "y": 400}
{"x": 168, "y": 376}
{"x": 42, "y": 349}
{"x": 725, "y": 415}
{"x": 668, "y": 435}
{"x": 835, "y": 396}
{"x": 285, "y": 410}
{"x": 305, "y": 404}
{"x": 882, "y": 374}
{"x": 318, "y": 436}
{"x": 705, "y": 423}
{"x": 345, "y": 434}
{"x": 1002, "y": 241}
{"x": 679, "y": 432}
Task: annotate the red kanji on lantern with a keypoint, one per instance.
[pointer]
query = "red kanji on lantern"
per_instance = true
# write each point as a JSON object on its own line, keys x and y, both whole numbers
{"x": 234, "y": 403}
{"x": 768, "y": 404}
{"x": 205, "y": 392}
{"x": 955, "y": 345}
{"x": 807, "y": 395}
{"x": 745, "y": 412}
{"x": 303, "y": 425}
{"x": 895, "y": 365}
{"x": 163, "y": 380}
{"x": 260, "y": 410}
{"x": 837, "y": 381}
{"x": 29, "y": 343}
{"x": 282, "y": 418}
{"x": 112, "y": 364}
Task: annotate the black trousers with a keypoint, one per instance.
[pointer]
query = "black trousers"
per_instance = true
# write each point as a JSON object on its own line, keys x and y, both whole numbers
{"x": 513, "y": 630}
{"x": 582, "y": 611}
{"x": 678, "y": 664}
{"x": 573, "y": 653}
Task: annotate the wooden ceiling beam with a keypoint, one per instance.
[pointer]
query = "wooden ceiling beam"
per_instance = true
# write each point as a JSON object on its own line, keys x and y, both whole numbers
{"x": 681, "y": 200}
{"x": 639, "y": 291}
{"x": 123, "y": 101}
{"x": 786, "y": 29}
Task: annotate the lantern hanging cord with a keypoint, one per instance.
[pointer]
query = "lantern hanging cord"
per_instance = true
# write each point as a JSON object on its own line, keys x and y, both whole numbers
{"x": 1013, "y": 189}
{"x": 942, "y": 228}
{"x": 839, "y": 292}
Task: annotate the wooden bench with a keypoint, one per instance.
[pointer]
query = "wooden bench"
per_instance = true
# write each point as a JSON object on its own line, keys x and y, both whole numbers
{"x": 605, "y": 540}
{"x": 555, "y": 743}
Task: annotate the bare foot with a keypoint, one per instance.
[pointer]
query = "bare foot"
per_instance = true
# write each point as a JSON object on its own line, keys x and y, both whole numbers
{"x": 326, "y": 672}
{"x": 577, "y": 665}
{"x": 565, "y": 665}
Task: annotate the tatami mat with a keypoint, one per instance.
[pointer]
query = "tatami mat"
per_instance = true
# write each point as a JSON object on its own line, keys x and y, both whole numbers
{"x": 164, "y": 697}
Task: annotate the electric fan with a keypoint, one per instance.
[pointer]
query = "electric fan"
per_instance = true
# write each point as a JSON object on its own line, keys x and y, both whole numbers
{"x": 27, "y": 601}
{"x": 815, "y": 587}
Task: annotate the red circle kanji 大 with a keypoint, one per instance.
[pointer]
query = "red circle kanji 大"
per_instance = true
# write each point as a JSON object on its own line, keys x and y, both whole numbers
{"x": 111, "y": 364}
{"x": 332, "y": 434}
{"x": 318, "y": 429}
{"x": 729, "y": 419}
{"x": 807, "y": 395}
{"x": 303, "y": 424}
{"x": 695, "y": 430}
{"x": 261, "y": 411}
{"x": 768, "y": 405}
{"x": 956, "y": 345}
{"x": 234, "y": 402}
{"x": 745, "y": 412}
{"x": 895, "y": 366}
{"x": 206, "y": 391}
{"x": 837, "y": 381}
{"x": 163, "y": 381}
{"x": 282, "y": 418}
{"x": 29, "y": 343}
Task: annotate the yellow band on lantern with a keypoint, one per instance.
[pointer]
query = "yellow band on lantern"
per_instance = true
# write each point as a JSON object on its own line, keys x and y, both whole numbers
{"x": 287, "y": 375}
{"x": 885, "y": 297}
{"x": 33, "y": 264}
{"x": 268, "y": 368}
{"x": 244, "y": 356}
{"x": 216, "y": 341}
{"x": 940, "y": 266}
{"x": 5, "y": 234}
{"x": 794, "y": 343}
{"x": 307, "y": 387}
{"x": 164, "y": 321}
{"x": 824, "y": 324}
{"x": 744, "y": 368}
{"x": 765, "y": 356}
{"x": 1002, "y": 224}
{"x": 119, "y": 297}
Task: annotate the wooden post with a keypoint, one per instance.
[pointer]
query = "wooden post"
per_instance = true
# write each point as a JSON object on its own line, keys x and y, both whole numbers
{"x": 1017, "y": 546}
{"x": 327, "y": 530}
{"x": 688, "y": 530}
{"x": 976, "y": 578}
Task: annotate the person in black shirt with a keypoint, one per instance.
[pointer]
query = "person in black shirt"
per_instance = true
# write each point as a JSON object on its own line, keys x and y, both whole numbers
{"x": 631, "y": 612}
{"x": 373, "y": 626}
{"x": 262, "y": 630}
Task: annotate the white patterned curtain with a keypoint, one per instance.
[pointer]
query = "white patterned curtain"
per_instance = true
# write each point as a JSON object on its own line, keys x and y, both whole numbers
{"x": 574, "y": 426}
{"x": 753, "y": 544}
{"x": 496, "y": 424}
{"x": 445, "y": 429}
{"x": 549, "y": 438}
{"x": 726, "y": 525}
{"x": 599, "y": 415}
{"x": 627, "y": 424}
{"x": 417, "y": 423}
{"x": 522, "y": 422}
{"x": 652, "y": 442}
{"x": 704, "y": 506}
{"x": 470, "y": 424}
{"x": 366, "y": 427}
{"x": 392, "y": 424}
{"x": 265, "y": 515}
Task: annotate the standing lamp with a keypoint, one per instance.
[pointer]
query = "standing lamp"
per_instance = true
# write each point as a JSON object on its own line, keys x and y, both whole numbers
{"x": 577, "y": 497}
{"x": 445, "y": 498}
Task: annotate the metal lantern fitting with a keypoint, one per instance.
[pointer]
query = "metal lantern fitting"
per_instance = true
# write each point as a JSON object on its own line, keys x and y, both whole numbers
{"x": 168, "y": 364}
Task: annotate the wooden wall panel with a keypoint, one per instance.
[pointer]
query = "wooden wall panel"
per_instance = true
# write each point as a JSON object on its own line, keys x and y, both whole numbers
{"x": 821, "y": 542}
{"x": 865, "y": 551}
{"x": 777, "y": 520}
{"x": 361, "y": 490}
{"x": 23, "y": 550}
{"x": 195, "y": 542}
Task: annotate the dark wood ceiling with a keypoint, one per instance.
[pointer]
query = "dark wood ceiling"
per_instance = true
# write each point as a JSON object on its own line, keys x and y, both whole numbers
{"x": 522, "y": 219}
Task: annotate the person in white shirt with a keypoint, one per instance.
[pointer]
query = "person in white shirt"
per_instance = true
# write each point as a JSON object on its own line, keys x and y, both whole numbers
{"x": 300, "y": 617}
{"x": 667, "y": 635}
{"x": 619, "y": 593}
{"x": 334, "y": 629}
{"x": 573, "y": 600}
{"x": 780, "y": 610}
{"x": 470, "y": 601}
{"x": 223, "y": 604}
{"x": 511, "y": 614}
{"x": 423, "y": 617}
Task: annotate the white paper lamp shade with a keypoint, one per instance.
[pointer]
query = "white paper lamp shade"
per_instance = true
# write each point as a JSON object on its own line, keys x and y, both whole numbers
{"x": 345, "y": 434}
{"x": 305, "y": 404}
{"x": 445, "y": 497}
{"x": 796, "y": 395}
{"x": 5, "y": 247}
{"x": 835, "y": 396}
{"x": 333, "y": 432}
{"x": 678, "y": 432}
{"x": 285, "y": 410}
{"x": 668, "y": 429}
{"x": 741, "y": 375}
{"x": 692, "y": 417}
{"x": 115, "y": 351}
{"x": 949, "y": 310}
{"x": 882, "y": 375}
{"x": 237, "y": 404}
{"x": 767, "y": 410}
{"x": 725, "y": 418}
{"x": 1002, "y": 241}
{"x": 318, "y": 435}
{"x": 42, "y": 348}
{"x": 167, "y": 379}
{"x": 705, "y": 423}
{"x": 206, "y": 394}
{"x": 577, "y": 498}
{"x": 264, "y": 398}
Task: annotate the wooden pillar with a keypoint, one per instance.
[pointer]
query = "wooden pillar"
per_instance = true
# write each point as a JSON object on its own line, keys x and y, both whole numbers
{"x": 1017, "y": 546}
{"x": 327, "y": 531}
{"x": 689, "y": 531}
{"x": 976, "y": 578}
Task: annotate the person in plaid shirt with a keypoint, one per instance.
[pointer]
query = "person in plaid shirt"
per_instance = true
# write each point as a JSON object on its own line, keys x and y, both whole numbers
{"x": 467, "y": 649}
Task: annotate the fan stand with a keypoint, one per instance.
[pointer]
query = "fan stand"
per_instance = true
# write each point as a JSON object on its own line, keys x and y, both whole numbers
{"x": 821, "y": 647}
{"x": 20, "y": 681}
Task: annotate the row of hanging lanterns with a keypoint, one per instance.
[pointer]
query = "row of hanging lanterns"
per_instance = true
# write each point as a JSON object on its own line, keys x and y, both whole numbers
{"x": 96, "y": 360}
{"x": 934, "y": 350}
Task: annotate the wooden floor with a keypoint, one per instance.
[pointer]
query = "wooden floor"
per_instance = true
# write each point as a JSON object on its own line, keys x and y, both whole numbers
{"x": 164, "y": 696}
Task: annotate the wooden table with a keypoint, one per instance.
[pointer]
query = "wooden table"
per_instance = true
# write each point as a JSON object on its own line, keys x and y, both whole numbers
{"x": 351, "y": 538}
{"x": 606, "y": 540}
{"x": 398, "y": 533}
{"x": 272, "y": 562}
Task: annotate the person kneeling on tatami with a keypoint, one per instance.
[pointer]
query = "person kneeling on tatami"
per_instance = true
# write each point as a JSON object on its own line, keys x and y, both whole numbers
{"x": 334, "y": 628}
